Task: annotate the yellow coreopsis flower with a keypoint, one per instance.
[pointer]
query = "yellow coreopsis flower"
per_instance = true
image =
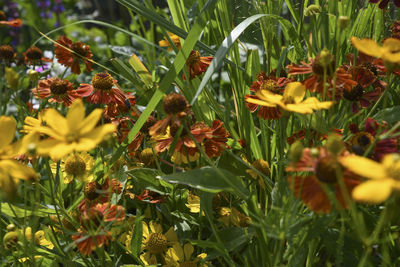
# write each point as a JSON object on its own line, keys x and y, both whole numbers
{"x": 385, "y": 177}
{"x": 73, "y": 132}
{"x": 75, "y": 166}
{"x": 10, "y": 169}
{"x": 291, "y": 100}
{"x": 389, "y": 52}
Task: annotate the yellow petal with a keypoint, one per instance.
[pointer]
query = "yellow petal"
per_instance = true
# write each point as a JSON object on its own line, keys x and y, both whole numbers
{"x": 171, "y": 235}
{"x": 85, "y": 144}
{"x": 188, "y": 249}
{"x": 155, "y": 227}
{"x": 18, "y": 170}
{"x": 54, "y": 148}
{"x": 269, "y": 97}
{"x": 260, "y": 102}
{"x": 373, "y": 191}
{"x": 367, "y": 46}
{"x": 145, "y": 228}
{"x": 56, "y": 122}
{"x": 364, "y": 167}
{"x": 295, "y": 91}
{"x": 75, "y": 115}
{"x": 8, "y": 126}
{"x": 90, "y": 122}
{"x": 308, "y": 106}
{"x": 99, "y": 133}
{"x": 392, "y": 44}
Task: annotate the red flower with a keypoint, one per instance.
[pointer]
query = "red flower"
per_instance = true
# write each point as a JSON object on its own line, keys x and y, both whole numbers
{"x": 152, "y": 197}
{"x": 311, "y": 189}
{"x": 270, "y": 83}
{"x": 323, "y": 63}
{"x": 103, "y": 90}
{"x": 197, "y": 64}
{"x": 57, "y": 90}
{"x": 384, "y": 3}
{"x": 216, "y": 144}
{"x": 80, "y": 50}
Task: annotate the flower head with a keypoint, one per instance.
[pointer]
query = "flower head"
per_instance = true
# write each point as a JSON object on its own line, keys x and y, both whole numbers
{"x": 291, "y": 100}
{"x": 73, "y": 132}
{"x": 384, "y": 177}
{"x": 57, "y": 91}
{"x": 76, "y": 166}
{"x": 7, "y": 53}
{"x": 197, "y": 64}
{"x": 174, "y": 38}
{"x": 75, "y": 51}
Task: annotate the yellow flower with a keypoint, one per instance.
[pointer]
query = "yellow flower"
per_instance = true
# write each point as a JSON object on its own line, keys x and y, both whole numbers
{"x": 385, "y": 177}
{"x": 193, "y": 203}
{"x": 292, "y": 99}
{"x": 155, "y": 242}
{"x": 174, "y": 38}
{"x": 32, "y": 125}
{"x": 177, "y": 256}
{"x": 72, "y": 133}
{"x": 39, "y": 238}
{"x": 75, "y": 166}
{"x": 389, "y": 52}
{"x": 10, "y": 169}
{"x": 233, "y": 217}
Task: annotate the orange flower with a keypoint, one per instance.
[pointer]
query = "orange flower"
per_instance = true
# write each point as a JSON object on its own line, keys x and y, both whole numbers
{"x": 6, "y": 53}
{"x": 197, "y": 64}
{"x": 103, "y": 90}
{"x": 34, "y": 56}
{"x": 216, "y": 144}
{"x": 57, "y": 90}
{"x": 75, "y": 52}
{"x": 174, "y": 38}
{"x": 311, "y": 189}
{"x": 12, "y": 23}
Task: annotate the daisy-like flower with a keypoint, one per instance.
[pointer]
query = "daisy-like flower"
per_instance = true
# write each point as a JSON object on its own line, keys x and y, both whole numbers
{"x": 10, "y": 169}
{"x": 103, "y": 90}
{"x": 57, "y": 91}
{"x": 73, "y": 132}
{"x": 15, "y": 23}
{"x": 174, "y": 38}
{"x": 93, "y": 233}
{"x": 71, "y": 59}
{"x": 75, "y": 166}
{"x": 197, "y": 64}
{"x": 34, "y": 56}
{"x": 7, "y": 53}
{"x": 272, "y": 84}
{"x": 384, "y": 177}
{"x": 291, "y": 100}
{"x": 177, "y": 256}
{"x": 384, "y": 3}
{"x": 324, "y": 63}
{"x": 124, "y": 128}
{"x": 217, "y": 143}
{"x": 176, "y": 107}
{"x": 151, "y": 197}
{"x": 156, "y": 242}
{"x": 324, "y": 167}
{"x": 389, "y": 52}
{"x": 361, "y": 140}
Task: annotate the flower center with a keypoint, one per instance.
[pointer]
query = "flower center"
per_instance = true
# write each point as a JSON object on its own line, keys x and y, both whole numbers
{"x": 147, "y": 125}
{"x": 103, "y": 81}
{"x": 157, "y": 243}
{"x": 188, "y": 264}
{"x": 174, "y": 103}
{"x": 6, "y": 52}
{"x": 270, "y": 85}
{"x": 91, "y": 190}
{"x": 355, "y": 94}
{"x": 193, "y": 58}
{"x": 360, "y": 141}
{"x": 371, "y": 67}
{"x": 79, "y": 48}
{"x": 34, "y": 53}
{"x": 75, "y": 165}
{"x": 59, "y": 86}
{"x": 326, "y": 169}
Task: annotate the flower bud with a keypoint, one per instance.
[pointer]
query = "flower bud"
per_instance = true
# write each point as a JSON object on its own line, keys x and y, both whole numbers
{"x": 343, "y": 22}
{"x": 312, "y": 10}
{"x": 296, "y": 151}
{"x": 334, "y": 144}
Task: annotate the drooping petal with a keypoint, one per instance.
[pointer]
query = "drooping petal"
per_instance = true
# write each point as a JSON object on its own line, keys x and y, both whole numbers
{"x": 373, "y": 191}
{"x": 308, "y": 106}
{"x": 8, "y": 126}
{"x": 99, "y": 133}
{"x": 364, "y": 167}
{"x": 269, "y": 97}
{"x": 295, "y": 91}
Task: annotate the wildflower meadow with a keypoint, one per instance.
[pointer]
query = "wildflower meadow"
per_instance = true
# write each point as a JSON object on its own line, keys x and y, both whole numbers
{"x": 185, "y": 133}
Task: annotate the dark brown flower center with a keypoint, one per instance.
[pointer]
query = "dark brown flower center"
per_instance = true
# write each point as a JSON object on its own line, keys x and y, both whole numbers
{"x": 75, "y": 165}
{"x": 103, "y": 81}
{"x": 355, "y": 94}
{"x": 6, "y": 52}
{"x": 59, "y": 86}
{"x": 91, "y": 190}
{"x": 34, "y": 53}
{"x": 147, "y": 125}
{"x": 79, "y": 48}
{"x": 193, "y": 58}
{"x": 371, "y": 67}
{"x": 174, "y": 103}
{"x": 156, "y": 243}
{"x": 360, "y": 142}
{"x": 326, "y": 169}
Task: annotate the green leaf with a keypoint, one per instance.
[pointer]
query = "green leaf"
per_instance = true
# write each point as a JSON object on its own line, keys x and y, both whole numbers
{"x": 209, "y": 179}
{"x": 145, "y": 174}
{"x": 19, "y": 212}
{"x": 136, "y": 241}
{"x": 391, "y": 115}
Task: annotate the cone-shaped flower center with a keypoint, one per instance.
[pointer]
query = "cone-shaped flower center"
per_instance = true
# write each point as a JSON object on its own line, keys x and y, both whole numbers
{"x": 75, "y": 165}
{"x": 156, "y": 243}
{"x": 270, "y": 85}
{"x": 360, "y": 141}
{"x": 91, "y": 190}
{"x": 355, "y": 94}
{"x": 59, "y": 86}
{"x": 324, "y": 62}
{"x": 79, "y": 48}
{"x": 6, "y": 52}
{"x": 326, "y": 169}
{"x": 34, "y": 53}
{"x": 103, "y": 81}
{"x": 174, "y": 103}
